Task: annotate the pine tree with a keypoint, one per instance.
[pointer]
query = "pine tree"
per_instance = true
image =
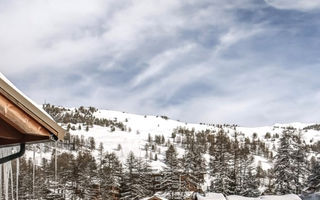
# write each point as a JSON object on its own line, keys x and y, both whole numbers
{"x": 220, "y": 164}
{"x": 313, "y": 181}
{"x": 171, "y": 172}
{"x": 270, "y": 187}
{"x": 250, "y": 184}
{"x": 100, "y": 149}
{"x": 65, "y": 166}
{"x": 134, "y": 180}
{"x": 149, "y": 138}
{"x": 235, "y": 166}
{"x": 194, "y": 165}
{"x": 283, "y": 169}
{"x": 143, "y": 185}
{"x": 301, "y": 171}
{"x": 84, "y": 174}
{"x": 155, "y": 157}
{"x": 291, "y": 163}
{"x": 92, "y": 143}
{"x": 25, "y": 178}
{"x": 128, "y": 177}
{"x": 110, "y": 175}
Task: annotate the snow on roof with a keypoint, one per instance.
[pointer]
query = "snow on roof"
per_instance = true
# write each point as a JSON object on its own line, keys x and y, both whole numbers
{"x": 22, "y": 94}
{"x": 13, "y": 94}
{"x": 235, "y": 197}
{"x": 212, "y": 196}
{"x": 218, "y": 196}
{"x": 281, "y": 197}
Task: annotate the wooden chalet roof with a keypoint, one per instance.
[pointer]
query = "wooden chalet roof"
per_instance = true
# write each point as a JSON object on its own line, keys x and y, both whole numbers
{"x": 21, "y": 121}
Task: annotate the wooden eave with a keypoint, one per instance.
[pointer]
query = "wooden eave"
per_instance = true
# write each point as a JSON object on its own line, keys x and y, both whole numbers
{"x": 22, "y": 120}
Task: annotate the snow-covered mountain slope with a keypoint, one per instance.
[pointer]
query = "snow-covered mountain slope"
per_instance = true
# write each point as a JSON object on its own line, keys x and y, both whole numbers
{"x": 139, "y": 127}
{"x": 149, "y": 137}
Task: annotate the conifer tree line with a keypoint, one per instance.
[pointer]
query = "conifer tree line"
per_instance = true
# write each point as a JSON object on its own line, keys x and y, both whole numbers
{"x": 221, "y": 158}
{"x": 191, "y": 158}
{"x": 233, "y": 172}
{"x": 82, "y": 116}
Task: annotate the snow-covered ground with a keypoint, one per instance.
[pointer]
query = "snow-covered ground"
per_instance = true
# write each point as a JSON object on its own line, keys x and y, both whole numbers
{"x": 217, "y": 196}
{"x": 141, "y": 126}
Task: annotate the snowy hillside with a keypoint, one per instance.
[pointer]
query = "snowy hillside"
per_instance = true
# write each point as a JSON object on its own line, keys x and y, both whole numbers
{"x": 142, "y": 126}
{"x": 246, "y": 159}
{"x": 139, "y": 127}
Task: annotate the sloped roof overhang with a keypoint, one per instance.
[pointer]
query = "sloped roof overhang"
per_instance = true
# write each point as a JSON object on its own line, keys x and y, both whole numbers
{"x": 21, "y": 121}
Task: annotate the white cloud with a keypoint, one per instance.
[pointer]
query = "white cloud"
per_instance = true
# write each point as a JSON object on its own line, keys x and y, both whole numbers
{"x": 37, "y": 34}
{"x": 160, "y": 62}
{"x": 254, "y": 98}
{"x": 301, "y": 5}
{"x": 151, "y": 51}
{"x": 237, "y": 34}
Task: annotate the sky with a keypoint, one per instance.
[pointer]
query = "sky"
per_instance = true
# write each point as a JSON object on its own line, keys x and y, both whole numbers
{"x": 245, "y": 62}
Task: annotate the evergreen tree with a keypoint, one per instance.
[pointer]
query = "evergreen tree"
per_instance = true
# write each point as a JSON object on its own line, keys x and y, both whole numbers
{"x": 100, "y": 149}
{"x": 270, "y": 187}
{"x": 25, "y": 178}
{"x": 143, "y": 184}
{"x": 110, "y": 175}
{"x": 235, "y": 167}
{"x": 171, "y": 172}
{"x": 313, "y": 181}
{"x": 291, "y": 163}
{"x": 84, "y": 175}
{"x": 220, "y": 164}
{"x": 155, "y": 157}
{"x": 250, "y": 184}
{"x": 134, "y": 180}
{"x": 283, "y": 169}
{"x": 92, "y": 143}
{"x": 300, "y": 165}
{"x": 65, "y": 165}
{"x": 194, "y": 164}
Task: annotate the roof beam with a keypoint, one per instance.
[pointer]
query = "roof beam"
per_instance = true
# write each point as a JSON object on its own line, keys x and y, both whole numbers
{"x": 26, "y": 139}
{"x": 29, "y": 108}
{"x": 19, "y": 119}
{"x": 8, "y": 132}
